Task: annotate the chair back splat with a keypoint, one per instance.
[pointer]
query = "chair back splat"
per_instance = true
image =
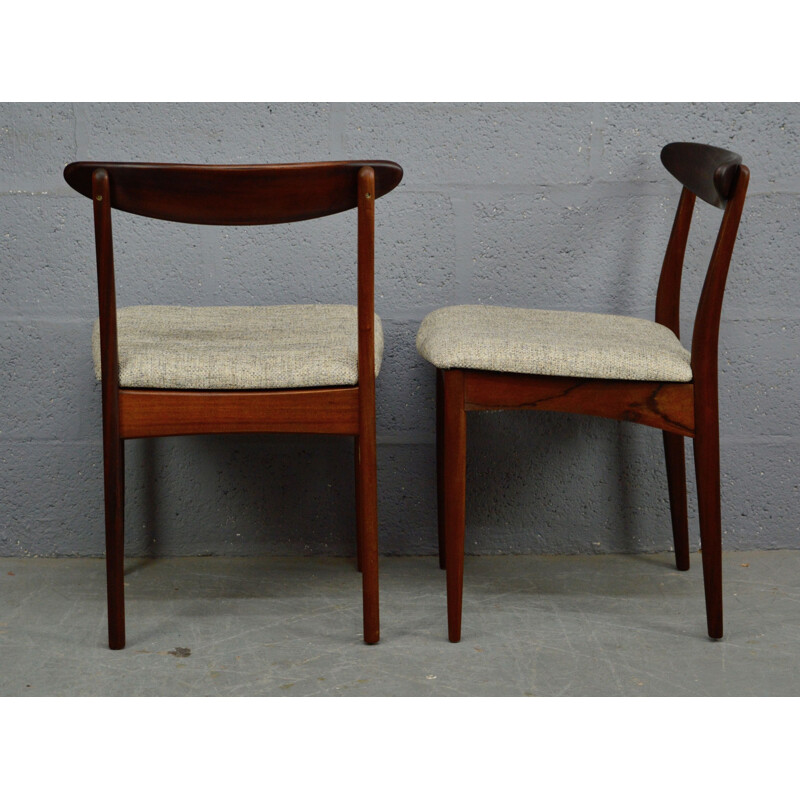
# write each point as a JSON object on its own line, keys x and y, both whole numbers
{"x": 173, "y": 370}
{"x": 497, "y": 357}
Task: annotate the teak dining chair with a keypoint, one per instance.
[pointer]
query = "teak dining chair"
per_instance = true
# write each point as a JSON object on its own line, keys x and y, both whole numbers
{"x": 609, "y": 366}
{"x": 173, "y": 370}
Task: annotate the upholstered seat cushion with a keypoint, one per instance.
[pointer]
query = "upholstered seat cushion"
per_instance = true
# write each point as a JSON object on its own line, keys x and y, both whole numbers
{"x": 238, "y": 347}
{"x": 568, "y": 343}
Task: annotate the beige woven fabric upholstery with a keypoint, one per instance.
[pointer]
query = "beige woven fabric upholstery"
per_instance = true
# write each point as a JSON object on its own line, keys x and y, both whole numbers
{"x": 568, "y": 343}
{"x": 238, "y": 347}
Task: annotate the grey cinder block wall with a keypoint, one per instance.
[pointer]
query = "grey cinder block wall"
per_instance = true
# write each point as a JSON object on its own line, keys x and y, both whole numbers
{"x": 542, "y": 205}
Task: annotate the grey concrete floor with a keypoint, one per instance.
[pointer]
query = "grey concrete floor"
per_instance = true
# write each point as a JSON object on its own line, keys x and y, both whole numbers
{"x": 533, "y": 626}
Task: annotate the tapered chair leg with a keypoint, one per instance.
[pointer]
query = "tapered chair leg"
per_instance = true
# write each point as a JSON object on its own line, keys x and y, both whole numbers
{"x": 440, "y": 469}
{"x": 676, "y": 480}
{"x": 114, "y": 479}
{"x": 367, "y": 513}
{"x": 358, "y": 504}
{"x": 706, "y": 456}
{"x": 454, "y": 494}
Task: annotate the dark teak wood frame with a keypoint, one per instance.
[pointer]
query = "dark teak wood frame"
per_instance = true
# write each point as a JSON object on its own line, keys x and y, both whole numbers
{"x": 237, "y": 195}
{"x": 679, "y": 409}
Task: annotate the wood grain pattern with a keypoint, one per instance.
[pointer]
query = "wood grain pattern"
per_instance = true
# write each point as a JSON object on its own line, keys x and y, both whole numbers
{"x": 162, "y": 412}
{"x": 668, "y": 406}
{"x": 234, "y": 194}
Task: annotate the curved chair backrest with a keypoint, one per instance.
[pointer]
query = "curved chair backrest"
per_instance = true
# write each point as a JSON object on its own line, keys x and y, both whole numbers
{"x": 718, "y": 177}
{"x": 233, "y": 194}
{"x": 706, "y": 171}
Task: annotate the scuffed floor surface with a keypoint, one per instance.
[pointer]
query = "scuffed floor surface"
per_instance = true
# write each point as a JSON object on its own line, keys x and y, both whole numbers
{"x": 533, "y": 626}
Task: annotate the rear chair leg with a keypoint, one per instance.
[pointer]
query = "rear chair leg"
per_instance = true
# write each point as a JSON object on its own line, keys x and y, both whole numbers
{"x": 706, "y": 456}
{"x": 676, "y": 480}
{"x": 114, "y": 479}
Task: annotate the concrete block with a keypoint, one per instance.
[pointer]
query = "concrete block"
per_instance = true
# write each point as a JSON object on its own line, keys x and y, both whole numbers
{"x": 759, "y": 377}
{"x": 37, "y": 140}
{"x": 52, "y": 498}
{"x": 407, "y": 499}
{"x": 160, "y": 263}
{"x": 540, "y": 482}
{"x": 405, "y": 389}
{"x": 760, "y": 494}
{"x": 583, "y": 254}
{"x": 764, "y": 134}
{"x": 239, "y": 495}
{"x": 306, "y": 262}
{"x": 476, "y": 143}
{"x": 49, "y": 386}
{"x": 316, "y": 260}
{"x": 207, "y": 133}
{"x": 763, "y": 276}
{"x": 415, "y": 253}
{"x": 762, "y": 267}
{"x": 48, "y": 256}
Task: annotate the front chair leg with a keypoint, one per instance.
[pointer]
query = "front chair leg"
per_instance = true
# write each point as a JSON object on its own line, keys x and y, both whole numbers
{"x": 706, "y": 457}
{"x": 676, "y": 481}
{"x": 454, "y": 441}
{"x": 367, "y": 512}
{"x": 114, "y": 479}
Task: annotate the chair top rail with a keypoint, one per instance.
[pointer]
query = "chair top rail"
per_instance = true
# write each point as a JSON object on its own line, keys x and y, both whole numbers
{"x": 708, "y": 172}
{"x": 247, "y": 194}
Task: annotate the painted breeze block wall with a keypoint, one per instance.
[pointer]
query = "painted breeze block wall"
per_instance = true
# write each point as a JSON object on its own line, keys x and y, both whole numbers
{"x": 541, "y": 205}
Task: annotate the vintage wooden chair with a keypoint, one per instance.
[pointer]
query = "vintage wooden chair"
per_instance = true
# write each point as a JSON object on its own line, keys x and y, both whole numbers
{"x": 609, "y": 366}
{"x": 172, "y": 370}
